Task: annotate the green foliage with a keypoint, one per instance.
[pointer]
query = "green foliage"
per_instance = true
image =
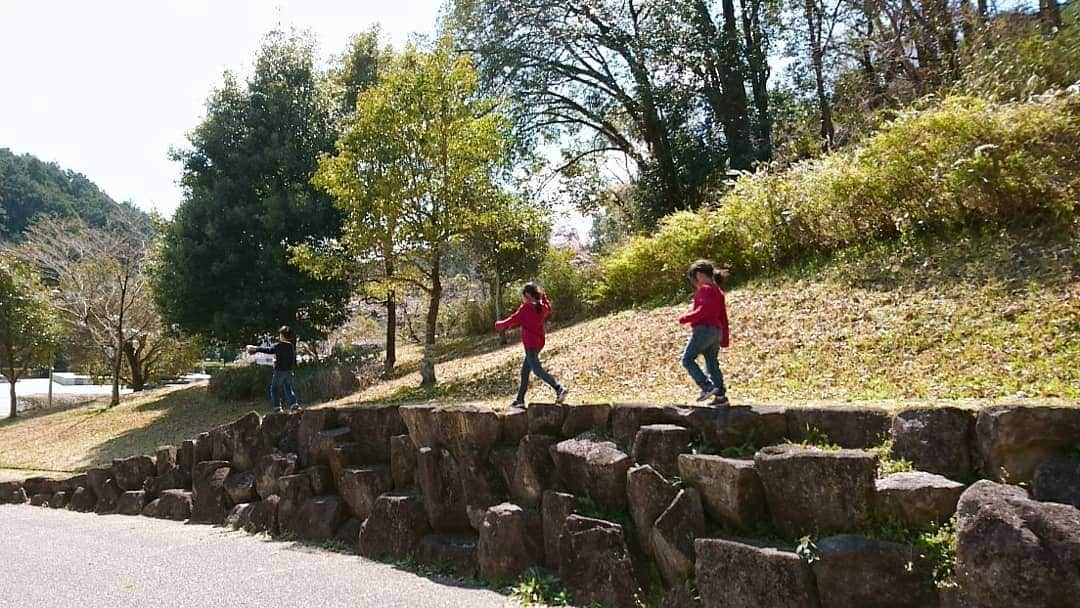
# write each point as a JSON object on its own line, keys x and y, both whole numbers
{"x": 566, "y": 283}
{"x": 28, "y": 327}
{"x": 960, "y": 162}
{"x": 887, "y": 464}
{"x": 932, "y": 547}
{"x": 536, "y": 587}
{"x": 314, "y": 383}
{"x": 750, "y": 443}
{"x": 815, "y": 437}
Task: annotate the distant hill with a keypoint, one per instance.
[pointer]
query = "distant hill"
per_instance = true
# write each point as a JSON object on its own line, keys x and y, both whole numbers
{"x": 30, "y": 187}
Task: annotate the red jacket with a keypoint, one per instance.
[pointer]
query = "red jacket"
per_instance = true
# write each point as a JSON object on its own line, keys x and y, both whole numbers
{"x": 709, "y": 309}
{"x": 530, "y": 321}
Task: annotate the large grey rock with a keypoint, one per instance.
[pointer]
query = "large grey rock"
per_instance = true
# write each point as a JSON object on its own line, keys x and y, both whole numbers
{"x": 59, "y": 500}
{"x": 203, "y": 449}
{"x": 854, "y": 571}
{"x": 534, "y": 470}
{"x": 583, "y": 418}
{"x": 394, "y": 528}
{"x": 1013, "y": 440}
{"x": 210, "y": 500}
{"x": 372, "y": 427}
{"x": 403, "y": 461}
{"x": 465, "y": 427}
{"x": 546, "y": 418}
{"x": 440, "y": 485}
{"x": 240, "y": 487}
{"x": 270, "y": 468}
{"x": 674, "y": 533}
{"x": 659, "y": 445}
{"x": 40, "y": 500}
{"x": 917, "y": 499}
{"x": 313, "y": 422}
{"x": 12, "y": 492}
{"x": 650, "y": 494}
{"x": 294, "y": 491}
{"x": 511, "y": 540}
{"x": 1058, "y": 480}
{"x": 348, "y": 455}
{"x": 420, "y": 420}
{"x": 245, "y": 441}
{"x": 173, "y": 479}
{"x": 734, "y": 574}
{"x": 172, "y": 504}
{"x": 185, "y": 459}
{"x": 109, "y": 497}
{"x": 481, "y": 484}
{"x": 323, "y": 444}
{"x": 221, "y": 442}
{"x": 846, "y": 426}
{"x": 590, "y": 466}
{"x": 557, "y": 506}
{"x": 735, "y": 426}
{"x": 319, "y": 517}
{"x": 594, "y": 563}
{"x": 679, "y": 596}
{"x": 515, "y": 425}
{"x": 730, "y": 488}
{"x": 131, "y": 503}
{"x": 96, "y": 478}
{"x": 82, "y": 500}
{"x": 938, "y": 440}
{"x": 808, "y": 490}
{"x": 279, "y": 432}
{"x": 458, "y": 553}
{"x": 264, "y": 515}
{"x": 131, "y": 473}
{"x": 240, "y": 516}
{"x": 503, "y": 460}
{"x": 42, "y": 485}
{"x": 349, "y": 532}
{"x": 322, "y": 480}
{"x": 1014, "y": 551}
{"x": 625, "y": 419}
{"x": 361, "y": 486}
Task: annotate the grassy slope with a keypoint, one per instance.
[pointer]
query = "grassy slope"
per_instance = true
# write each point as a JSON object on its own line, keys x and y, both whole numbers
{"x": 988, "y": 318}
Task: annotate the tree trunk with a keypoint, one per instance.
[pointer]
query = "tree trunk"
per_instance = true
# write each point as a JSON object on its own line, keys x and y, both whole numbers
{"x": 1049, "y": 13}
{"x": 391, "y": 335}
{"x": 759, "y": 77}
{"x": 724, "y": 87}
{"x": 496, "y": 299}
{"x": 11, "y": 392}
{"x": 118, "y": 357}
{"x": 813, "y": 21}
{"x": 138, "y": 377}
{"x": 427, "y": 364}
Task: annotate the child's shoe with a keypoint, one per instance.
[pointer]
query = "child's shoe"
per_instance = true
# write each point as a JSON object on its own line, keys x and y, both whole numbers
{"x": 294, "y": 408}
{"x": 720, "y": 401}
{"x": 708, "y": 393}
{"x": 517, "y": 405}
{"x": 560, "y": 395}
{"x": 275, "y": 410}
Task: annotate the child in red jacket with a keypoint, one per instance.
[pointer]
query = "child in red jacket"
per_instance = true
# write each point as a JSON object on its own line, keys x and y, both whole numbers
{"x": 710, "y": 332}
{"x": 530, "y": 316}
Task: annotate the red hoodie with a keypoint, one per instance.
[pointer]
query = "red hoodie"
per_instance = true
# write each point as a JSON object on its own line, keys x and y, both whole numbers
{"x": 709, "y": 309}
{"x": 530, "y": 321}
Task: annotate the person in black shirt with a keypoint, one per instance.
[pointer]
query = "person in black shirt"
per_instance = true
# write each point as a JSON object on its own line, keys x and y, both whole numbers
{"x": 284, "y": 361}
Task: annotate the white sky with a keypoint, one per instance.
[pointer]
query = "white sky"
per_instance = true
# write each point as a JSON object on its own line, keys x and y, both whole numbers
{"x": 106, "y": 87}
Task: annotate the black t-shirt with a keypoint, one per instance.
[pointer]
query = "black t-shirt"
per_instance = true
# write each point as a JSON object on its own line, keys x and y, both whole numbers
{"x": 284, "y": 355}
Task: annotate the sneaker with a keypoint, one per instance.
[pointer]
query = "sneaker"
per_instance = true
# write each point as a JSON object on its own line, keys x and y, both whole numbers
{"x": 517, "y": 405}
{"x": 294, "y": 408}
{"x": 560, "y": 395}
{"x": 707, "y": 393}
{"x": 720, "y": 401}
{"x": 275, "y": 410}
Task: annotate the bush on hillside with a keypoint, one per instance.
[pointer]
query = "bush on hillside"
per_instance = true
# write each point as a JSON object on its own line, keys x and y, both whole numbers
{"x": 963, "y": 161}
{"x": 566, "y": 284}
{"x": 312, "y": 384}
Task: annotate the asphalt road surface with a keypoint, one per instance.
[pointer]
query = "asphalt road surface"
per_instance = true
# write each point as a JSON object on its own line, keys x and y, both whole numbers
{"x": 54, "y": 558}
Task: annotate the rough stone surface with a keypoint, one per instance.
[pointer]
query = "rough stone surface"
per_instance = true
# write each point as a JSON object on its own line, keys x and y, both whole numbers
{"x": 515, "y": 425}
{"x": 40, "y": 500}
{"x": 1013, "y": 440}
{"x": 403, "y": 461}
{"x": 173, "y": 479}
{"x": 444, "y": 496}
{"x": 203, "y": 449}
{"x": 504, "y": 461}
{"x": 319, "y": 517}
{"x": 734, "y": 426}
{"x": 270, "y": 468}
{"x": 245, "y": 441}
{"x": 241, "y": 487}
{"x": 264, "y": 515}
{"x": 294, "y": 491}
{"x": 394, "y": 528}
{"x": 534, "y": 470}
{"x": 348, "y": 455}
{"x": 583, "y": 418}
{"x": 674, "y": 533}
{"x": 349, "y": 532}
{"x": 82, "y": 500}
{"x": 372, "y": 427}
{"x": 546, "y": 418}
{"x": 650, "y": 494}
{"x": 511, "y": 540}
{"x": 816, "y": 490}
{"x": 312, "y": 422}
{"x": 209, "y": 497}
{"x": 480, "y": 483}
{"x": 185, "y": 460}
{"x": 659, "y": 445}
{"x": 96, "y": 478}
{"x": 1058, "y": 480}
{"x": 173, "y": 504}
{"x": 107, "y": 499}
{"x": 466, "y": 427}
{"x": 12, "y": 492}
{"x": 594, "y": 563}
{"x": 853, "y": 571}
{"x": 59, "y": 500}
{"x": 240, "y": 516}
{"x": 68, "y": 485}
{"x": 557, "y": 506}
{"x": 457, "y": 552}
{"x": 680, "y": 596}
{"x": 625, "y": 419}
{"x": 322, "y": 480}
{"x": 131, "y": 503}
{"x": 221, "y": 442}
{"x": 1014, "y": 551}
{"x": 734, "y": 574}
{"x": 937, "y": 440}
{"x": 361, "y": 486}
{"x": 590, "y": 466}
{"x": 731, "y": 491}
{"x": 420, "y": 420}
{"x": 324, "y": 443}
{"x": 42, "y": 485}
{"x": 917, "y": 498}
{"x": 846, "y": 426}
{"x": 279, "y": 432}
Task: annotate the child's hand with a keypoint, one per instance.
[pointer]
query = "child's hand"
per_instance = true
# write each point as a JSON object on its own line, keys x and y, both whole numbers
{"x": 250, "y": 349}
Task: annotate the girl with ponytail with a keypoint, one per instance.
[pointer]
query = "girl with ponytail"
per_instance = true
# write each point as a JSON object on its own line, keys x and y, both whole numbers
{"x": 530, "y": 317}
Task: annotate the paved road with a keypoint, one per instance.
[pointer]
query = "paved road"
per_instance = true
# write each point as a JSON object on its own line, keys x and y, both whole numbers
{"x": 62, "y": 559}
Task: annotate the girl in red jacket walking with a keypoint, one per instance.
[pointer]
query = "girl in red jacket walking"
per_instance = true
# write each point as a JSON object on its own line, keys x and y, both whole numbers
{"x": 709, "y": 321}
{"x": 530, "y": 316}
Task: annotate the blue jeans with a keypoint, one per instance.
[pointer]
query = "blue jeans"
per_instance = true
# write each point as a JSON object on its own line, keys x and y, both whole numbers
{"x": 281, "y": 380}
{"x": 705, "y": 340}
{"x": 532, "y": 364}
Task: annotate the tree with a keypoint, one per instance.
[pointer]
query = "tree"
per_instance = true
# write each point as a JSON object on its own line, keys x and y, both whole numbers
{"x": 415, "y": 170}
{"x": 27, "y": 325}
{"x": 224, "y": 271}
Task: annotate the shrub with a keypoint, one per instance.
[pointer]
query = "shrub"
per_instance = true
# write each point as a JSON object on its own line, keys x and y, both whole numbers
{"x": 313, "y": 383}
{"x": 566, "y": 282}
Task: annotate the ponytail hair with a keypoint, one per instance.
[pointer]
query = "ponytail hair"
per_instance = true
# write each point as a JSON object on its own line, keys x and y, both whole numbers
{"x": 709, "y": 269}
{"x": 532, "y": 290}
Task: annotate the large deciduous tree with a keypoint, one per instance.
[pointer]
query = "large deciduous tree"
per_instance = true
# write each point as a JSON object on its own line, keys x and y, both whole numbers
{"x": 28, "y": 334}
{"x": 224, "y": 270}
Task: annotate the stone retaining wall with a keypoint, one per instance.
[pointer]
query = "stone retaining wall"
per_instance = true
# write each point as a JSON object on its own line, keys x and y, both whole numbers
{"x": 625, "y": 500}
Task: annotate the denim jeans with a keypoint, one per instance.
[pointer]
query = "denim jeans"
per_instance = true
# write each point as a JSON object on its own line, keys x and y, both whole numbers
{"x": 705, "y": 340}
{"x": 532, "y": 364}
{"x": 281, "y": 380}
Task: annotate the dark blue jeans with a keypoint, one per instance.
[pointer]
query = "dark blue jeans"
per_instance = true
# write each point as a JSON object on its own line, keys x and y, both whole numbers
{"x": 532, "y": 364}
{"x": 705, "y": 340}
{"x": 281, "y": 380}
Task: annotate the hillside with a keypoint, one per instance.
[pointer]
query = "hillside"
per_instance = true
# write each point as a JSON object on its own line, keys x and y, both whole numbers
{"x": 30, "y": 187}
